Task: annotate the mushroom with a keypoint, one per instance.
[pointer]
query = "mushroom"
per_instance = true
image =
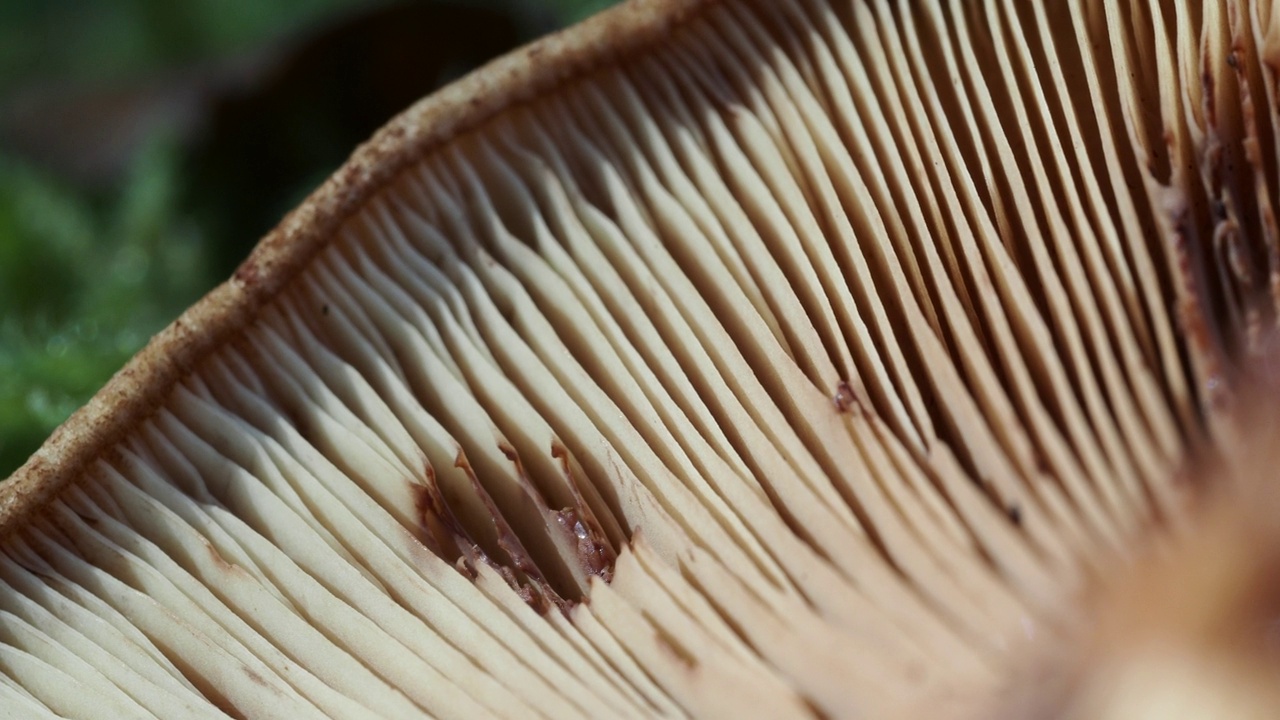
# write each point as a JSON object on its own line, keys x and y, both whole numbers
{"x": 716, "y": 359}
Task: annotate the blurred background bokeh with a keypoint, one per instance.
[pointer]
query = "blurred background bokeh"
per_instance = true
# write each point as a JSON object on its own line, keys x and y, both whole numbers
{"x": 146, "y": 145}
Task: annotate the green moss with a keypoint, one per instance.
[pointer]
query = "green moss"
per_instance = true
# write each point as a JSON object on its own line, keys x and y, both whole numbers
{"x": 84, "y": 282}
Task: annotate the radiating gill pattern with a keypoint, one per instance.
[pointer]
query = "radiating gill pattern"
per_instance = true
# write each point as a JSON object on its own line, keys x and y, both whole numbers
{"x": 799, "y": 364}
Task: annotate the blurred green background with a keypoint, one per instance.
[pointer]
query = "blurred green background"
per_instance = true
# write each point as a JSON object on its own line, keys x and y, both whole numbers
{"x": 145, "y": 146}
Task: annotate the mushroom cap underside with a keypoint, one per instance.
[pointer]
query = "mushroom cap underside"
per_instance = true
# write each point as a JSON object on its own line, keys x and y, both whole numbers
{"x": 707, "y": 359}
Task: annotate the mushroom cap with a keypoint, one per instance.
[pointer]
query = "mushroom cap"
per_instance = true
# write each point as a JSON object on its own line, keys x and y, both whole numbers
{"x": 708, "y": 358}
{"x": 509, "y": 81}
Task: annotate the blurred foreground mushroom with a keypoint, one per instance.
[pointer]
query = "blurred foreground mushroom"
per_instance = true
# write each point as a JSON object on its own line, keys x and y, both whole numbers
{"x": 715, "y": 359}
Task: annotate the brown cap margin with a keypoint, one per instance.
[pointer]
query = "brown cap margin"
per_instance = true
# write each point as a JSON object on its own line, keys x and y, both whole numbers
{"x": 137, "y": 390}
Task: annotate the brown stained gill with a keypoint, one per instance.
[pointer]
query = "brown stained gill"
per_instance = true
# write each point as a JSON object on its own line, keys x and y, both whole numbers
{"x": 1014, "y": 512}
{"x": 255, "y": 678}
{"x": 671, "y": 646}
{"x": 543, "y": 599}
{"x": 441, "y": 531}
{"x": 597, "y": 559}
{"x": 578, "y": 485}
{"x": 515, "y": 558}
{"x": 755, "y": 527}
{"x": 845, "y": 399}
{"x": 444, "y": 535}
{"x": 466, "y": 567}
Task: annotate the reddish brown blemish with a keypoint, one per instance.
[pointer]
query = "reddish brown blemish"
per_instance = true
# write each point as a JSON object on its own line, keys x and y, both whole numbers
{"x": 596, "y": 557}
{"x": 508, "y": 542}
{"x": 216, "y": 557}
{"x": 845, "y": 399}
{"x": 537, "y": 600}
{"x": 442, "y": 533}
{"x": 1015, "y": 514}
{"x": 465, "y": 566}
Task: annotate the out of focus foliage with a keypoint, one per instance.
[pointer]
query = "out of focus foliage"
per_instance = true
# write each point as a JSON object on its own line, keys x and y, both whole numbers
{"x": 83, "y": 284}
{"x": 145, "y": 145}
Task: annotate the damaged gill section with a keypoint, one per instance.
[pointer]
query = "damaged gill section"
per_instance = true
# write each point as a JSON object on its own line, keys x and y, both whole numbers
{"x": 800, "y": 359}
